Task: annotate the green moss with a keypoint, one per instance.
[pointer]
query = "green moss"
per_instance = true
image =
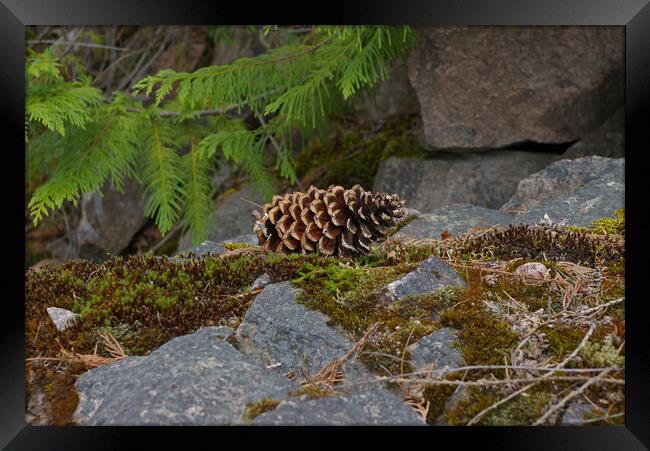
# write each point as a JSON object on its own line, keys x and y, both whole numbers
{"x": 349, "y": 295}
{"x": 312, "y": 392}
{"x": 437, "y": 396}
{"x": 614, "y": 225}
{"x": 352, "y": 156}
{"x": 254, "y": 410}
{"x": 232, "y": 246}
{"x": 145, "y": 301}
{"x": 520, "y": 411}
{"x": 601, "y": 355}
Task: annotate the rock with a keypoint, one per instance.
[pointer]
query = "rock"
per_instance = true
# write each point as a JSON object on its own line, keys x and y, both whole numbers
{"x": 212, "y": 248}
{"x": 486, "y": 179}
{"x": 608, "y": 140}
{"x": 276, "y": 329}
{"x": 481, "y": 87}
{"x": 109, "y": 221}
{"x": 196, "y": 379}
{"x": 377, "y": 407}
{"x": 61, "y": 318}
{"x": 559, "y": 179}
{"x": 231, "y": 217}
{"x": 391, "y": 97}
{"x": 575, "y": 192}
{"x": 261, "y": 282}
{"x": 438, "y": 349}
{"x": 430, "y": 276}
{"x": 454, "y": 218}
{"x": 532, "y": 271}
{"x": 574, "y": 415}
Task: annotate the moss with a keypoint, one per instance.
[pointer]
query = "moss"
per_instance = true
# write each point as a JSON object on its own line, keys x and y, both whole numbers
{"x": 614, "y": 225}
{"x": 256, "y": 409}
{"x": 563, "y": 339}
{"x": 520, "y": 411}
{"x": 601, "y": 355}
{"x": 312, "y": 392}
{"x": 232, "y": 246}
{"x": 437, "y": 396}
{"x": 349, "y": 296}
{"x": 144, "y": 301}
{"x": 352, "y": 156}
{"x": 539, "y": 243}
{"x": 57, "y": 389}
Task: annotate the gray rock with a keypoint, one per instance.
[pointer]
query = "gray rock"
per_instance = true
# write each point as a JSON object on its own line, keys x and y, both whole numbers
{"x": 575, "y": 192}
{"x": 438, "y": 349}
{"x": 231, "y": 217}
{"x": 276, "y": 329}
{"x": 109, "y": 221}
{"x": 378, "y": 407}
{"x": 391, "y": 97}
{"x": 212, "y": 248}
{"x": 261, "y": 282}
{"x": 494, "y": 86}
{"x": 608, "y": 140}
{"x": 196, "y": 379}
{"x": 574, "y": 415}
{"x": 559, "y": 179}
{"x": 486, "y": 179}
{"x": 61, "y": 318}
{"x": 454, "y": 218}
{"x": 430, "y": 276}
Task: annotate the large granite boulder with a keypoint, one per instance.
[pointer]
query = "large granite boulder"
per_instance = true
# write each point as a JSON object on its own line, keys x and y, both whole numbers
{"x": 197, "y": 379}
{"x": 575, "y": 192}
{"x": 608, "y": 140}
{"x": 487, "y": 87}
{"x": 109, "y": 220}
{"x": 485, "y": 179}
{"x": 391, "y": 97}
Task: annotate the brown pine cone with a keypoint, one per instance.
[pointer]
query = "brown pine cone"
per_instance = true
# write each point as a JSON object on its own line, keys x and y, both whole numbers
{"x": 336, "y": 221}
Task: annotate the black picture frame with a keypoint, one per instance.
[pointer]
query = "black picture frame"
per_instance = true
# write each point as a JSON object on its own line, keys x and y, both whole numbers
{"x": 634, "y": 15}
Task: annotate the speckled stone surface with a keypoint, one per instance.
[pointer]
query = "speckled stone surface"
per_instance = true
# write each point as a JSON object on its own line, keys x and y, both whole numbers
{"x": 431, "y": 275}
{"x": 378, "y": 407}
{"x": 575, "y": 191}
{"x": 196, "y": 379}
{"x": 453, "y": 218}
{"x": 438, "y": 349}
{"x": 276, "y": 329}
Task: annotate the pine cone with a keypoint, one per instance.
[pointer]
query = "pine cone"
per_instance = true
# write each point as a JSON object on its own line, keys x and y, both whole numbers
{"x": 337, "y": 221}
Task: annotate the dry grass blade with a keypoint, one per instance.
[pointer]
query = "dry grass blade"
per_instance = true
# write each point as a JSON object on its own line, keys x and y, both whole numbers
{"x": 331, "y": 373}
{"x": 113, "y": 347}
{"x": 93, "y": 360}
{"x": 420, "y": 406}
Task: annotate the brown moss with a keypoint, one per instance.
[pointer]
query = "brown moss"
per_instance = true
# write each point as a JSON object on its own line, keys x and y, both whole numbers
{"x": 437, "y": 396}
{"x": 254, "y": 410}
{"x": 538, "y": 243}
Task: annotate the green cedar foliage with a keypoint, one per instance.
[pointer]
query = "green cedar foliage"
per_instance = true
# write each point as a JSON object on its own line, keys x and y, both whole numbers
{"x": 77, "y": 140}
